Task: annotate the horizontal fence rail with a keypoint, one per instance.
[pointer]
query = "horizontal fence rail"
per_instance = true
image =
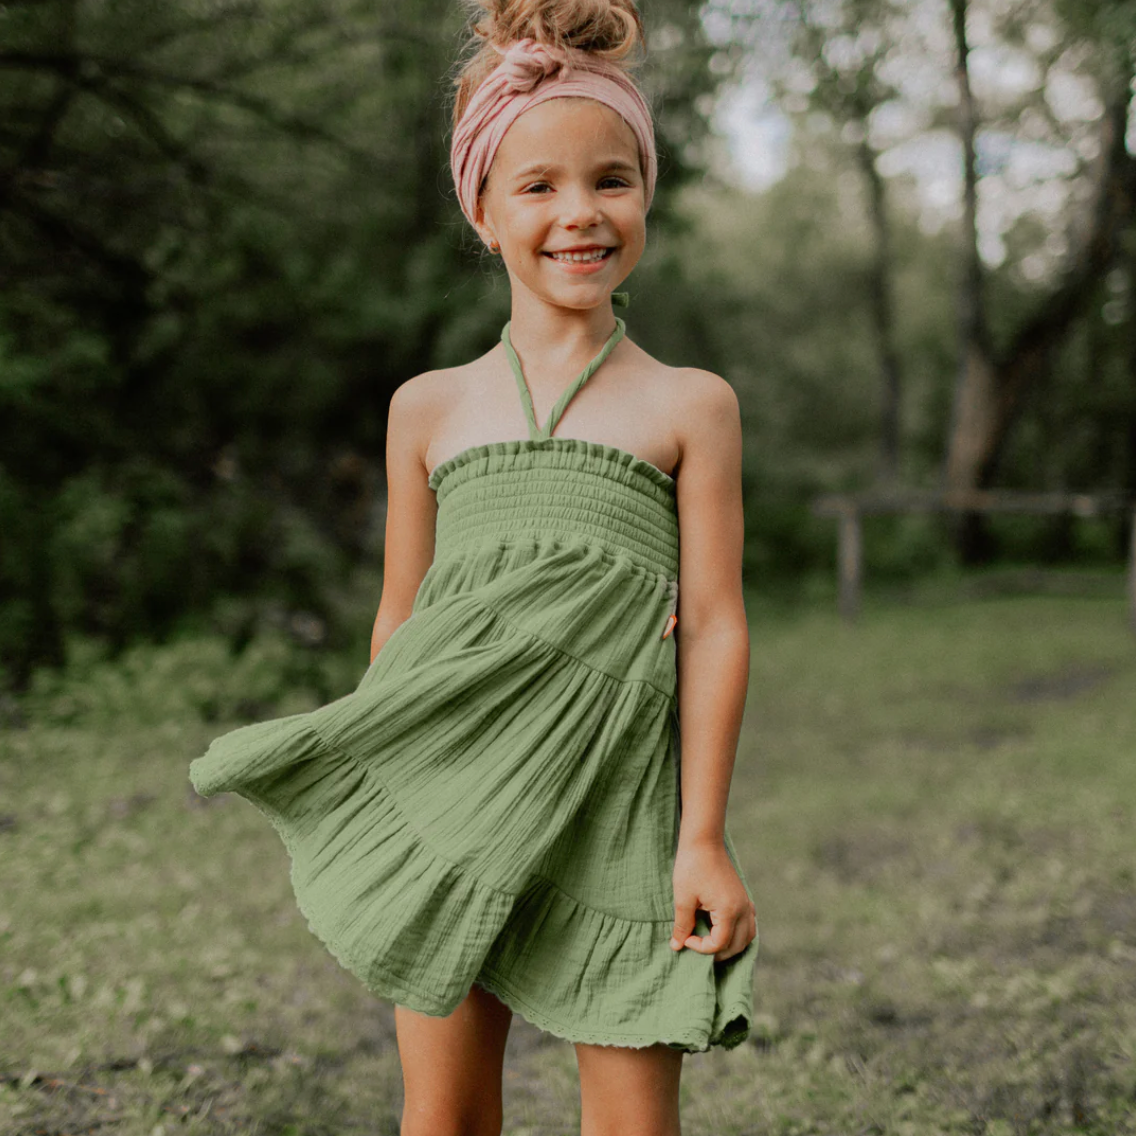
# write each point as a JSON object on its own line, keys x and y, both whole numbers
{"x": 848, "y": 509}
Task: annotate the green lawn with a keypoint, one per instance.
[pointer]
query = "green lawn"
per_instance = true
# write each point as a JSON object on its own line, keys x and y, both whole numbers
{"x": 934, "y": 807}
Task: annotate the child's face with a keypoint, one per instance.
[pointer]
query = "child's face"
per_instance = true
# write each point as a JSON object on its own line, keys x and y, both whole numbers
{"x": 566, "y": 175}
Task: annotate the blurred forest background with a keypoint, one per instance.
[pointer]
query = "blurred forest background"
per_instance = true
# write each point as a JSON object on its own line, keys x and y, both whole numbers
{"x": 229, "y": 233}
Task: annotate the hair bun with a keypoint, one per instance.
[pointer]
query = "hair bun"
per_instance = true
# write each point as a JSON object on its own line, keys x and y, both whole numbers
{"x": 610, "y": 29}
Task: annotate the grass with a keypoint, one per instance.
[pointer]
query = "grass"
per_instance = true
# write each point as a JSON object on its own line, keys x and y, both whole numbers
{"x": 934, "y": 808}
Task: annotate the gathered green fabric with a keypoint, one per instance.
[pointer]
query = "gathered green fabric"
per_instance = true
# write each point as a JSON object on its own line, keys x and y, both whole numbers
{"x": 498, "y": 802}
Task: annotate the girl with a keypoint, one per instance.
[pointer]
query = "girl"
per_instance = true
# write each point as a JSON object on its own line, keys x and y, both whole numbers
{"x": 497, "y": 820}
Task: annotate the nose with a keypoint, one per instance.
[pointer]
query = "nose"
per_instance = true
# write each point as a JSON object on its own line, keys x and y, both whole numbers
{"x": 581, "y": 207}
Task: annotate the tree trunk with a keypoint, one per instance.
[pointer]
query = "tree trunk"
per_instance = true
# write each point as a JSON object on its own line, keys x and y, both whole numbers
{"x": 973, "y": 407}
{"x": 883, "y": 319}
{"x": 1128, "y": 484}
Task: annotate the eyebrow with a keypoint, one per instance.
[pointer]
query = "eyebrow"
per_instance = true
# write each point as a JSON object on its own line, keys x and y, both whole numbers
{"x": 552, "y": 167}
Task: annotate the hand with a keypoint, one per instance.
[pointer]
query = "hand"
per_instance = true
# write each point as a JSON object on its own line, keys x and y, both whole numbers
{"x": 704, "y": 877}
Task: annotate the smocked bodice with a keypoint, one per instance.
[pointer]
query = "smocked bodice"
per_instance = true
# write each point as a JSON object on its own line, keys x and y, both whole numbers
{"x": 557, "y": 489}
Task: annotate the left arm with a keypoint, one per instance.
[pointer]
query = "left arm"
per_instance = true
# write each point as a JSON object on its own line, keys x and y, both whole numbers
{"x": 712, "y": 640}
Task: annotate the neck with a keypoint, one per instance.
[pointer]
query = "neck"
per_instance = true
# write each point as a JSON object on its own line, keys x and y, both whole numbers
{"x": 554, "y": 341}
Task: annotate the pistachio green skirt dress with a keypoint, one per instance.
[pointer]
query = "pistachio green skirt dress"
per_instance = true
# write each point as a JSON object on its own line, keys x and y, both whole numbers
{"x": 498, "y": 801}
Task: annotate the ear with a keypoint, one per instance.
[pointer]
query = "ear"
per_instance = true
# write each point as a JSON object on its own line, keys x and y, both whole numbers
{"x": 483, "y": 229}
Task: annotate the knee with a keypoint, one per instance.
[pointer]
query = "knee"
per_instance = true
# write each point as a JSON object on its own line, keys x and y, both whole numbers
{"x": 450, "y": 1120}
{"x": 637, "y": 1126}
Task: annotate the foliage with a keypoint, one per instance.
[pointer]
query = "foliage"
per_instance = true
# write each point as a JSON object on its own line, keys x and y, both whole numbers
{"x": 198, "y": 678}
{"x": 229, "y": 235}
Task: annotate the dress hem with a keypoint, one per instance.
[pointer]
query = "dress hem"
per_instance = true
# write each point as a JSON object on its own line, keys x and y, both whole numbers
{"x": 689, "y": 1042}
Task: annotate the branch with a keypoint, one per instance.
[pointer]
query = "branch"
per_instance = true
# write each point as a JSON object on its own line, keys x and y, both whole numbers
{"x": 92, "y": 67}
{"x": 1114, "y": 207}
{"x": 972, "y": 310}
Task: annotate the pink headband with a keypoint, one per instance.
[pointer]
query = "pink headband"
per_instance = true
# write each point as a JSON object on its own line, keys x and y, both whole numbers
{"x": 505, "y": 95}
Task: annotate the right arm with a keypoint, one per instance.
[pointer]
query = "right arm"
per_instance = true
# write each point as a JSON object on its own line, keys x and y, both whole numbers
{"x": 411, "y": 507}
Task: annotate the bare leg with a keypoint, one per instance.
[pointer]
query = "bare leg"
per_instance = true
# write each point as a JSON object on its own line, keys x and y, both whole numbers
{"x": 452, "y": 1067}
{"x": 629, "y": 1092}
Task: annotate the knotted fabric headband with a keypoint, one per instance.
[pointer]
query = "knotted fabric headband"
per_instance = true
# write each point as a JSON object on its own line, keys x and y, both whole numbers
{"x": 532, "y": 73}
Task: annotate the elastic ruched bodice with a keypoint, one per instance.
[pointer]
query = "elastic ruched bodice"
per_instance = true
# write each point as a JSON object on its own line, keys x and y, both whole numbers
{"x": 557, "y": 488}
{"x": 498, "y": 802}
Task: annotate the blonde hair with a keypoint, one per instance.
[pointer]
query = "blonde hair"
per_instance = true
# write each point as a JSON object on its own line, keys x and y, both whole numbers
{"x": 612, "y": 29}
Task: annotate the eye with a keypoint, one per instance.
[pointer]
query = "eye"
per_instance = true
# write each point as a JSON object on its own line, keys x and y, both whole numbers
{"x": 610, "y": 177}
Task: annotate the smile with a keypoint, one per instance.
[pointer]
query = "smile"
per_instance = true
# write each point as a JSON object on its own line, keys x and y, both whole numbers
{"x": 581, "y": 257}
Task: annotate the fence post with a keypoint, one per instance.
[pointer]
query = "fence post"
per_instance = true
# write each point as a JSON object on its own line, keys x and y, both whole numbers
{"x": 850, "y": 554}
{"x": 1132, "y": 572}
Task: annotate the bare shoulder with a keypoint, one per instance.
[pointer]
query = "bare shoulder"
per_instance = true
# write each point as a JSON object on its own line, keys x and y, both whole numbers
{"x": 698, "y": 389}
{"x": 422, "y": 394}
{"x": 705, "y": 410}
{"x": 417, "y": 407}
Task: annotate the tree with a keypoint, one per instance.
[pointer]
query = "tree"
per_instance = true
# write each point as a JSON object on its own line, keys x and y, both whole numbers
{"x": 993, "y": 381}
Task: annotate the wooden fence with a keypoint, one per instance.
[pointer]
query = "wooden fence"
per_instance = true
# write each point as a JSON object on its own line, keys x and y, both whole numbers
{"x": 849, "y": 508}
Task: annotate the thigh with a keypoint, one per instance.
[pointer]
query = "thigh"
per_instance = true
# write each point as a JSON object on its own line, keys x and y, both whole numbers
{"x": 452, "y": 1066}
{"x": 629, "y": 1092}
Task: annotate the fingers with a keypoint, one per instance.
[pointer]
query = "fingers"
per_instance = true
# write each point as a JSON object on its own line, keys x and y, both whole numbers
{"x": 730, "y": 934}
{"x": 683, "y": 924}
{"x": 745, "y": 931}
{"x": 721, "y": 931}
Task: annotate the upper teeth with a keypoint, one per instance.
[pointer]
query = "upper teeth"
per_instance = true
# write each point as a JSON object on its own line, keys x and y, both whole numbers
{"x": 594, "y": 254}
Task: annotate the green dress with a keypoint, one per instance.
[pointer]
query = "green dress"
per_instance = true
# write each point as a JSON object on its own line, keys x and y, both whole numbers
{"x": 498, "y": 801}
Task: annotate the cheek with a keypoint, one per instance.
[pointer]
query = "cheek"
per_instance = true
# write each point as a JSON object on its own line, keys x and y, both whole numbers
{"x": 520, "y": 222}
{"x": 635, "y": 230}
